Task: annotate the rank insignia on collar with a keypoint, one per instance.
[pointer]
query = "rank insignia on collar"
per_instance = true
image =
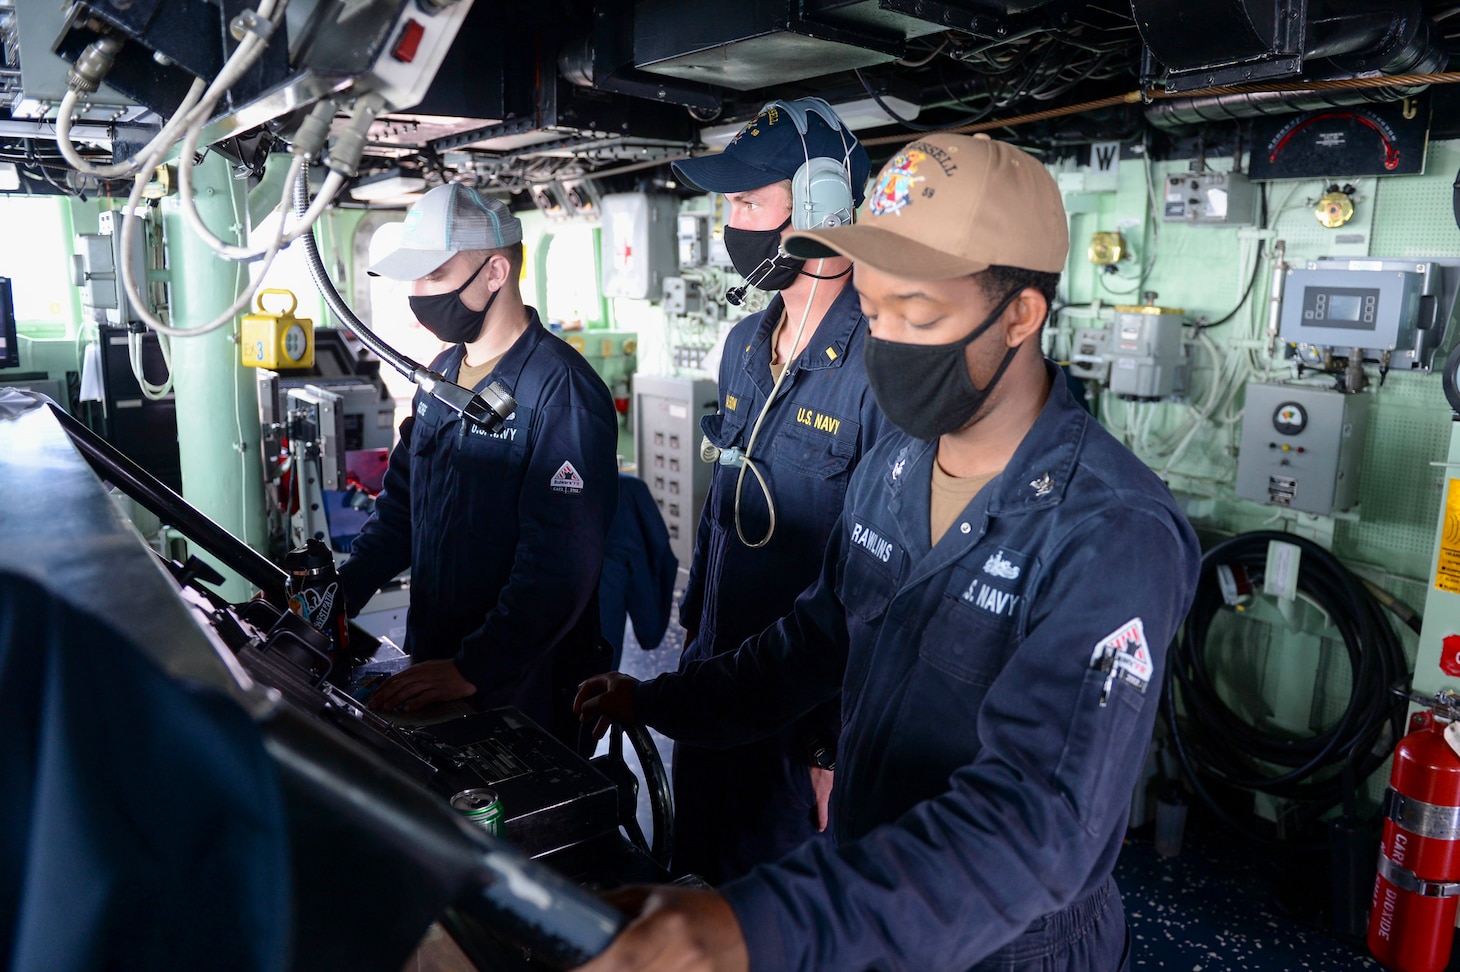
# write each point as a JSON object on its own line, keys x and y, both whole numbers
{"x": 1042, "y": 485}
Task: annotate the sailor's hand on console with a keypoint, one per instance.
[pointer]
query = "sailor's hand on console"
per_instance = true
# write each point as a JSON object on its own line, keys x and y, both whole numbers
{"x": 674, "y": 930}
{"x": 609, "y": 698}
{"x": 423, "y": 684}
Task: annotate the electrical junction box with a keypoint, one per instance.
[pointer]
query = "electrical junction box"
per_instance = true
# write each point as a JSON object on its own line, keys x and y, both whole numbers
{"x": 693, "y": 236}
{"x": 667, "y": 436}
{"x": 639, "y": 244}
{"x": 278, "y": 340}
{"x": 96, "y": 267}
{"x": 1402, "y": 307}
{"x": 1089, "y": 358}
{"x": 682, "y": 297}
{"x": 1210, "y": 199}
{"x": 1145, "y": 351}
{"x": 1301, "y": 447}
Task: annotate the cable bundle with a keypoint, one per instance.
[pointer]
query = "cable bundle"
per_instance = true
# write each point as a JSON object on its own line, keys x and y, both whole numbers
{"x": 1318, "y": 771}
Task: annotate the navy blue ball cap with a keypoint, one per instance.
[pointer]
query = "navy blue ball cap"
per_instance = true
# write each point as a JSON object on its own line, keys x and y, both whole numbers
{"x": 771, "y": 147}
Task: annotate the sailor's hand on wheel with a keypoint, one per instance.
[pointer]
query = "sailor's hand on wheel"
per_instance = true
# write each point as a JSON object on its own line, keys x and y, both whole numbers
{"x": 609, "y": 698}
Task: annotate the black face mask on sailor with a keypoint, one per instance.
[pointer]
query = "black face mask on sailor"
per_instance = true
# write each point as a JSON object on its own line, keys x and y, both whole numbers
{"x": 758, "y": 258}
{"x": 448, "y": 317}
{"x": 925, "y": 389}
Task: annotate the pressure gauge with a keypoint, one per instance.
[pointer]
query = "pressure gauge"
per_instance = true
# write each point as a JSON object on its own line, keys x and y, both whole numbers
{"x": 1290, "y": 418}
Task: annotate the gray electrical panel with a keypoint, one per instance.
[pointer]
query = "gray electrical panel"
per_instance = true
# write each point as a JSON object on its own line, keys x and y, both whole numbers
{"x": 1210, "y": 198}
{"x": 667, "y": 435}
{"x": 1145, "y": 351}
{"x": 1301, "y": 447}
{"x": 1089, "y": 354}
{"x": 640, "y": 247}
{"x": 1398, "y": 308}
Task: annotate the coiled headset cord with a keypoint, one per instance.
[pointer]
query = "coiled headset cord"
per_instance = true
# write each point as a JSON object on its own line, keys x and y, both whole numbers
{"x": 742, "y": 458}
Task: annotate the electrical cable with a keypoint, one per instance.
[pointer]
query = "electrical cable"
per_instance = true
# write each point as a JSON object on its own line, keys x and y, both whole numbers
{"x": 1145, "y": 96}
{"x": 165, "y": 137}
{"x": 904, "y": 122}
{"x": 1214, "y": 742}
{"x": 1251, "y": 280}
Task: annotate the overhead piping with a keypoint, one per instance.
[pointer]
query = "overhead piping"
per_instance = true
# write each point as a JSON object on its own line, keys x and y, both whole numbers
{"x": 1146, "y": 97}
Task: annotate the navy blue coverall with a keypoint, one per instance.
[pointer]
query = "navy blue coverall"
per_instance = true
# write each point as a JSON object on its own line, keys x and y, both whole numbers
{"x": 998, "y": 694}
{"x": 503, "y": 533}
{"x": 737, "y": 808}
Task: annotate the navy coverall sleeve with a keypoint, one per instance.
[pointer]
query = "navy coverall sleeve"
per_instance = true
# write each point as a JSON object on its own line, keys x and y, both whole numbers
{"x": 560, "y": 543}
{"x": 383, "y": 548}
{"x": 767, "y": 683}
{"x": 1021, "y": 829}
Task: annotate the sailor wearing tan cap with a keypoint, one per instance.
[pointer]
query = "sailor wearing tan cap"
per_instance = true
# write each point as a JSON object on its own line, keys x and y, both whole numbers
{"x": 994, "y": 607}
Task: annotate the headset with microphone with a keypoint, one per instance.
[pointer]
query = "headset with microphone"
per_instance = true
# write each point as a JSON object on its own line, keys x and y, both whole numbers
{"x": 821, "y": 196}
{"x": 821, "y": 189}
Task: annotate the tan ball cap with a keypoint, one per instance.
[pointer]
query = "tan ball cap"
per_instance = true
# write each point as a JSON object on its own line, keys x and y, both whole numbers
{"x": 947, "y": 206}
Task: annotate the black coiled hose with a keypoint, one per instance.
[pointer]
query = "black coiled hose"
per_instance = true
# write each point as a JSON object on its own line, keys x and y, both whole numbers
{"x": 1318, "y": 771}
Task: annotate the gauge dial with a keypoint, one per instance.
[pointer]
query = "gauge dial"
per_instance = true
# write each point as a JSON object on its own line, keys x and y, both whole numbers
{"x": 1290, "y": 418}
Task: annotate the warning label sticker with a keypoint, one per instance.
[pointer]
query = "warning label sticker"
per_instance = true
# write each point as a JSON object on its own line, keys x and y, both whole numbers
{"x": 1447, "y": 570}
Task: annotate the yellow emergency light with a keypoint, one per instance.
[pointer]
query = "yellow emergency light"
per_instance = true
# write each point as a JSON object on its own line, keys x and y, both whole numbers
{"x": 277, "y": 340}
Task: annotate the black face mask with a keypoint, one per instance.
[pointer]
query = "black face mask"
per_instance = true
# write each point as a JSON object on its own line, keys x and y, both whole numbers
{"x": 757, "y": 257}
{"x": 445, "y": 316}
{"x": 925, "y": 389}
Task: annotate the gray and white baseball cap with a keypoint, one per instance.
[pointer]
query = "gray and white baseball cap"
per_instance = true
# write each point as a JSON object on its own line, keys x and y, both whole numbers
{"x": 444, "y": 222}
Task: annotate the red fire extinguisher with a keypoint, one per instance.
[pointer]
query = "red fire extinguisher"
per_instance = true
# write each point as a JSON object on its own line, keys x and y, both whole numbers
{"x": 1417, "y": 890}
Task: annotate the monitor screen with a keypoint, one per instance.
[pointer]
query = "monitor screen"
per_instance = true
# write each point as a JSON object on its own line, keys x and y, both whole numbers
{"x": 9, "y": 344}
{"x": 1344, "y": 308}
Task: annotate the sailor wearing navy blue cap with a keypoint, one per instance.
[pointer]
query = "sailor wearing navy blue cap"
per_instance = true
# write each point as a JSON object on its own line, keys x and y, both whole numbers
{"x": 795, "y": 418}
{"x": 503, "y": 532}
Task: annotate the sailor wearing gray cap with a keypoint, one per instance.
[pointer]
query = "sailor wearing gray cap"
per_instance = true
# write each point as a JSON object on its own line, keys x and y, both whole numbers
{"x": 503, "y": 532}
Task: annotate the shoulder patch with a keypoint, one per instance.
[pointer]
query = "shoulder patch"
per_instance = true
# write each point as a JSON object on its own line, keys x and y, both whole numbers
{"x": 567, "y": 480}
{"x": 1124, "y": 654}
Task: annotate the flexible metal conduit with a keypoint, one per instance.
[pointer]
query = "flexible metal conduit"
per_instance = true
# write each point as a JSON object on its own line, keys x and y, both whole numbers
{"x": 332, "y": 296}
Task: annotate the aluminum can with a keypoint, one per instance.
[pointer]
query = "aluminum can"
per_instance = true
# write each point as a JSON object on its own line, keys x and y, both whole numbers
{"x": 482, "y": 807}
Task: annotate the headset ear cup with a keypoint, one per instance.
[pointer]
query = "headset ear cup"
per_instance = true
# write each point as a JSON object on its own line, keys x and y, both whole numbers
{"x": 821, "y": 195}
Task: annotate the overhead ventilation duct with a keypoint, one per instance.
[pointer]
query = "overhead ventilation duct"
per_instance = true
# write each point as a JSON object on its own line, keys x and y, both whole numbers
{"x": 1361, "y": 39}
{"x": 1203, "y": 44}
{"x": 604, "y": 59}
{"x": 1180, "y": 113}
{"x": 752, "y": 44}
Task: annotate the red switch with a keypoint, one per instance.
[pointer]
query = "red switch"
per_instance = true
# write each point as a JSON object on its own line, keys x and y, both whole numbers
{"x": 410, "y": 40}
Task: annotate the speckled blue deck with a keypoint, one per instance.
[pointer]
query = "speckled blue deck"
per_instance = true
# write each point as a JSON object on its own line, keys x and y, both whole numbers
{"x": 1210, "y": 909}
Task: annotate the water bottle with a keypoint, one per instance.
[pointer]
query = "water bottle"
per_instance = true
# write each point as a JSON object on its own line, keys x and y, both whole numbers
{"x": 315, "y": 595}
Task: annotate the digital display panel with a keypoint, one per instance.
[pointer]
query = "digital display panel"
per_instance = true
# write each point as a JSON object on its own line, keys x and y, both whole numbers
{"x": 1344, "y": 308}
{"x": 1350, "y": 308}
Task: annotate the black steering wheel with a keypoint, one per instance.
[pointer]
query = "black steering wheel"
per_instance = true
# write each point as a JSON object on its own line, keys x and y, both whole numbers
{"x": 661, "y": 800}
